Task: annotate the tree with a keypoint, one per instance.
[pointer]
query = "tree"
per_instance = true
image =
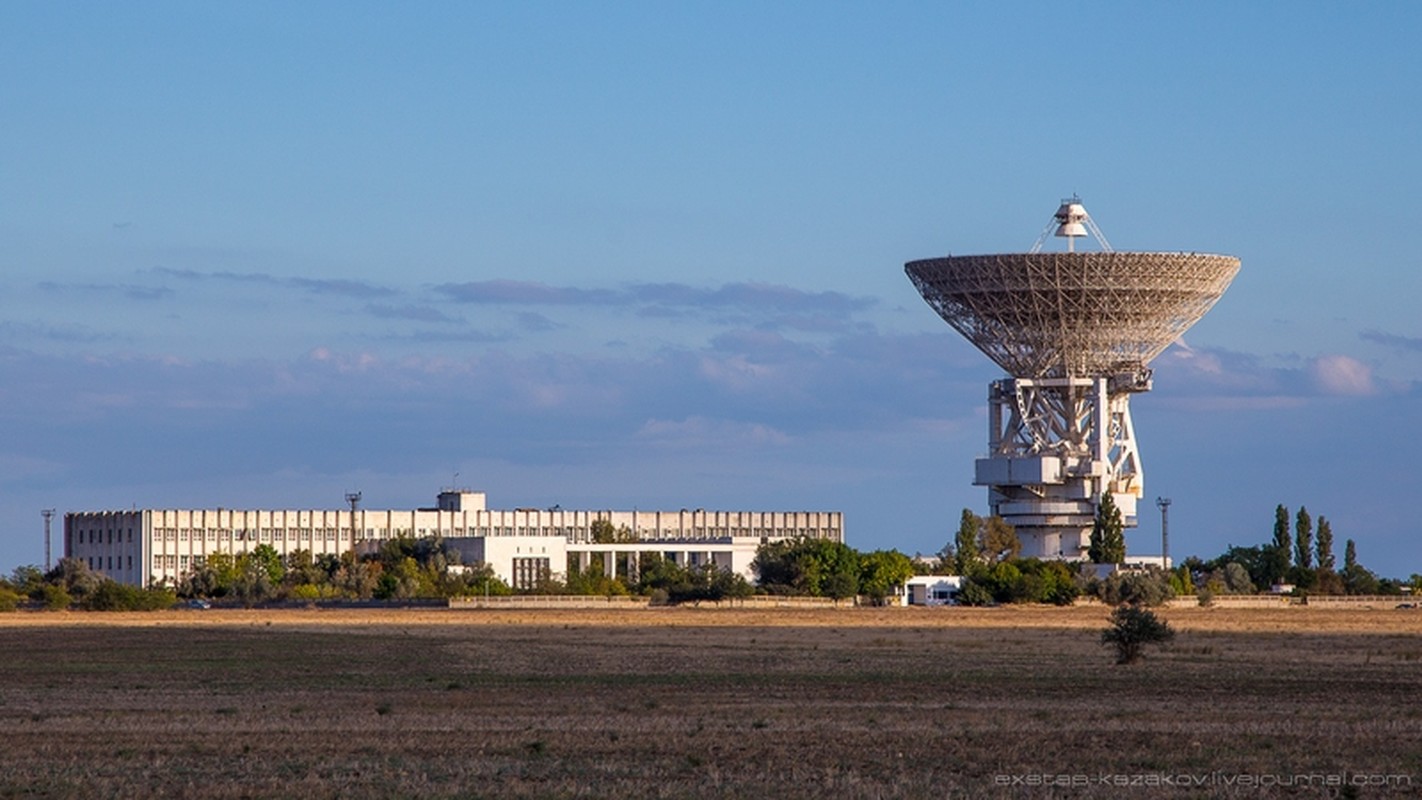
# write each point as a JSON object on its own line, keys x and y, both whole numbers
{"x": 54, "y": 597}
{"x": 74, "y": 576}
{"x": 841, "y": 586}
{"x": 603, "y": 532}
{"x": 1355, "y": 577}
{"x": 965, "y": 542}
{"x": 1323, "y": 545}
{"x": 1258, "y": 564}
{"x": 803, "y": 566}
{"x": 1282, "y": 542}
{"x": 1150, "y": 588}
{"x": 999, "y": 540}
{"x": 1108, "y": 540}
{"x": 265, "y": 558}
{"x": 1131, "y": 629}
{"x": 1236, "y": 579}
{"x": 1303, "y": 539}
{"x": 26, "y": 580}
{"x": 1045, "y": 582}
{"x": 881, "y": 571}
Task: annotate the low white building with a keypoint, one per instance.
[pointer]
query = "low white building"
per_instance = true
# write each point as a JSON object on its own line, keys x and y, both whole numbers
{"x": 932, "y": 590}
{"x": 145, "y": 546}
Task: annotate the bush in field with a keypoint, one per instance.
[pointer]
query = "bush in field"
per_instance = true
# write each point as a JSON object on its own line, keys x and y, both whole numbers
{"x": 111, "y": 595}
{"x": 9, "y": 599}
{"x": 973, "y": 593}
{"x": 74, "y": 576}
{"x": 1023, "y": 580}
{"x": 808, "y": 566}
{"x": 54, "y": 597}
{"x": 1131, "y": 629}
{"x": 667, "y": 583}
{"x": 1150, "y": 588}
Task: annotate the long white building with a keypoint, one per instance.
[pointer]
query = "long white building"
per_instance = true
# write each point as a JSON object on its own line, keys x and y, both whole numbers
{"x": 144, "y": 546}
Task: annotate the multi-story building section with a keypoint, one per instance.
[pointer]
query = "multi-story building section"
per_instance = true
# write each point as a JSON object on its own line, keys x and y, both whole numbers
{"x": 153, "y": 545}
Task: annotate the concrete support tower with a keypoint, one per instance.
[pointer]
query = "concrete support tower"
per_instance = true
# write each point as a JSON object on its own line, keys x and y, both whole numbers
{"x": 1075, "y": 332}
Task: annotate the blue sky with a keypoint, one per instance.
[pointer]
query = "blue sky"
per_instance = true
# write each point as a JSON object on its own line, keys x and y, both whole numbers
{"x": 651, "y": 255}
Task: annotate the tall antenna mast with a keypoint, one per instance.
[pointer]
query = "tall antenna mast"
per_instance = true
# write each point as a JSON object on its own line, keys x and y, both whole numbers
{"x": 1163, "y": 503}
{"x": 48, "y": 515}
{"x": 354, "y": 499}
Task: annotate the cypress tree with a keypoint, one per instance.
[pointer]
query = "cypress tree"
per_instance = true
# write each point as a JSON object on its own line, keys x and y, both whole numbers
{"x": 1303, "y": 539}
{"x": 1108, "y": 539}
{"x": 1282, "y": 540}
{"x": 966, "y": 542}
{"x": 1324, "y": 545}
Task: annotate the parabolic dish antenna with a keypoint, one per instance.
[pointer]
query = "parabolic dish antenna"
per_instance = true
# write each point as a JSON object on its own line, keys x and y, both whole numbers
{"x": 1075, "y": 331}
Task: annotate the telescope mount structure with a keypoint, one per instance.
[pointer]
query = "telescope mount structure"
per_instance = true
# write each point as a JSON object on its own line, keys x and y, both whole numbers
{"x": 1075, "y": 332}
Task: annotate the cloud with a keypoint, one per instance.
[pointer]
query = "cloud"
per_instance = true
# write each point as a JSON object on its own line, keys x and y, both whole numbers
{"x": 55, "y": 333}
{"x": 705, "y": 432}
{"x": 1343, "y": 375}
{"x": 127, "y": 290}
{"x": 660, "y": 299}
{"x": 507, "y": 292}
{"x": 534, "y": 322}
{"x": 417, "y": 313}
{"x": 1406, "y": 343}
{"x": 339, "y": 287}
{"x": 1224, "y": 380}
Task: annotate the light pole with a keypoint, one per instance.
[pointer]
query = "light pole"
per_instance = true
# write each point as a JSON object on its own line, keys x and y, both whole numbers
{"x": 48, "y": 515}
{"x": 1164, "y": 504}
{"x": 354, "y": 499}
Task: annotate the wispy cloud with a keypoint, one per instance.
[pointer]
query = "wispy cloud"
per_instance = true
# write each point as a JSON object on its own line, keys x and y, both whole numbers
{"x": 409, "y": 311}
{"x": 529, "y": 293}
{"x": 1216, "y": 379}
{"x": 18, "y": 331}
{"x": 1343, "y": 375}
{"x": 1408, "y": 343}
{"x": 127, "y": 290}
{"x": 659, "y": 299}
{"x": 340, "y": 287}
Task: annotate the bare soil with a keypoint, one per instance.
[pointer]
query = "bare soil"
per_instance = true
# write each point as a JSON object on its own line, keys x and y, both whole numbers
{"x": 705, "y": 703}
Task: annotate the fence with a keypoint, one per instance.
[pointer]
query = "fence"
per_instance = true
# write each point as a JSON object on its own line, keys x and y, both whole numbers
{"x": 600, "y": 602}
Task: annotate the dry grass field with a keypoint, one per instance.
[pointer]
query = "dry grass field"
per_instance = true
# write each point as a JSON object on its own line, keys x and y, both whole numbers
{"x": 703, "y": 703}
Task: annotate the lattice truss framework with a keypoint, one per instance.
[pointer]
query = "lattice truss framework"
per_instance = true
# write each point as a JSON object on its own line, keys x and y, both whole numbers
{"x": 1040, "y": 315}
{"x": 1080, "y": 420}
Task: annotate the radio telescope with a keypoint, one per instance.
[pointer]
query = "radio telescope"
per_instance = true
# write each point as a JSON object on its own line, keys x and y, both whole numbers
{"x": 1075, "y": 332}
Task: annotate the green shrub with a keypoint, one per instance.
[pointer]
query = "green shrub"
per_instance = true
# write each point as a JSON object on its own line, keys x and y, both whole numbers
{"x": 55, "y": 598}
{"x": 111, "y": 595}
{"x": 973, "y": 593}
{"x": 1150, "y": 588}
{"x": 305, "y": 591}
{"x": 1132, "y": 628}
{"x": 9, "y": 600}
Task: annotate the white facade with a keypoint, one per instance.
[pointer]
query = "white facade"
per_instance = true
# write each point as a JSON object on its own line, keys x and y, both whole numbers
{"x": 932, "y": 590}
{"x": 150, "y": 545}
